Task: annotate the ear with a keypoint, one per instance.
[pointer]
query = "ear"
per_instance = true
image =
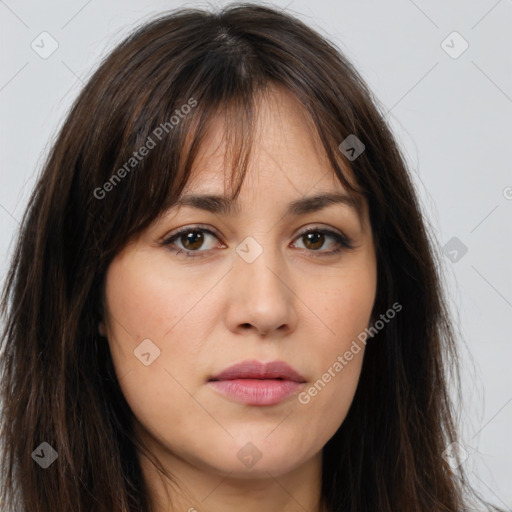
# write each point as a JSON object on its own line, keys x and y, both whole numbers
{"x": 101, "y": 329}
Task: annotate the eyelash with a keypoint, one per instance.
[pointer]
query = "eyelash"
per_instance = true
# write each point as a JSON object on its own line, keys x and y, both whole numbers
{"x": 344, "y": 243}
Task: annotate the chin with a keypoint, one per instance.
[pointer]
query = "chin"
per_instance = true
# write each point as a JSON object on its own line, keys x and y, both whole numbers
{"x": 249, "y": 460}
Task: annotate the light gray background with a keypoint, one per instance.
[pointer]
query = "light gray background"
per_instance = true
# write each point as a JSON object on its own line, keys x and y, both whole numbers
{"x": 451, "y": 116}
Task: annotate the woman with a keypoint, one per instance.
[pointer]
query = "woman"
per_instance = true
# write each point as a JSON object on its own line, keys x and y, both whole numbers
{"x": 223, "y": 294}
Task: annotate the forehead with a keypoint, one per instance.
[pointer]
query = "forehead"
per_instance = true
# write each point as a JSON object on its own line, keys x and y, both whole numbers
{"x": 285, "y": 149}
{"x": 287, "y": 165}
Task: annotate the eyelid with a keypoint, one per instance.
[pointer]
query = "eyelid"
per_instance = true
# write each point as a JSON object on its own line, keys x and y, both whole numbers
{"x": 189, "y": 227}
{"x": 167, "y": 240}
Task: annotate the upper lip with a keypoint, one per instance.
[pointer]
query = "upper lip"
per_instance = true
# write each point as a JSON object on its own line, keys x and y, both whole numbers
{"x": 257, "y": 370}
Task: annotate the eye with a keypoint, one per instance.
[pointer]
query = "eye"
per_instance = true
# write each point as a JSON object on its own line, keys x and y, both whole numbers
{"x": 191, "y": 239}
{"x": 314, "y": 239}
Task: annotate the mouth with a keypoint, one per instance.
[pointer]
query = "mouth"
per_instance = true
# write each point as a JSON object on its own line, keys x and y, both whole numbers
{"x": 256, "y": 383}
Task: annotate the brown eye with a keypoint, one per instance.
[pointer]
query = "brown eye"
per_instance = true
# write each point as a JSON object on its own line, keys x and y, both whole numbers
{"x": 192, "y": 240}
{"x": 314, "y": 240}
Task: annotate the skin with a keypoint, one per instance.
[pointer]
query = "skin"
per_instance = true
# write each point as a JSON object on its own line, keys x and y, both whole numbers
{"x": 206, "y": 313}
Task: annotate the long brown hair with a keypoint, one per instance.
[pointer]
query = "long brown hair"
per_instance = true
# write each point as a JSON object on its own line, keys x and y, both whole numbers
{"x": 58, "y": 384}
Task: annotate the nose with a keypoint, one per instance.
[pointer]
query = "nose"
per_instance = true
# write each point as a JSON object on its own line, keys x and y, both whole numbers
{"x": 261, "y": 297}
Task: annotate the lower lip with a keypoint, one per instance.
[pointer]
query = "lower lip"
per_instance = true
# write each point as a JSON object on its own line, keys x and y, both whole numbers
{"x": 256, "y": 391}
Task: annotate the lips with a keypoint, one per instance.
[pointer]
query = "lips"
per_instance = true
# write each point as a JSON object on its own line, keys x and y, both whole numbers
{"x": 257, "y": 384}
{"x": 256, "y": 370}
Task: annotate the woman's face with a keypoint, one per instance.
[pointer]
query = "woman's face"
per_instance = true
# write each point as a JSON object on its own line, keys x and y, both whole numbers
{"x": 253, "y": 288}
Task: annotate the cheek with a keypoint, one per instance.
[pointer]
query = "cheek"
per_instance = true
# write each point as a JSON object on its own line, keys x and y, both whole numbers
{"x": 344, "y": 305}
{"x": 147, "y": 309}
{"x": 327, "y": 399}
{"x": 338, "y": 360}
{"x": 339, "y": 346}
{"x": 140, "y": 311}
{"x": 148, "y": 301}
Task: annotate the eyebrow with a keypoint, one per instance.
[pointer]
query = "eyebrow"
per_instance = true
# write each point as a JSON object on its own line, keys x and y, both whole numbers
{"x": 226, "y": 206}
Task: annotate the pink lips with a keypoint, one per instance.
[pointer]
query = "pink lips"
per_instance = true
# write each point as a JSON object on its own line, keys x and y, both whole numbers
{"x": 255, "y": 383}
